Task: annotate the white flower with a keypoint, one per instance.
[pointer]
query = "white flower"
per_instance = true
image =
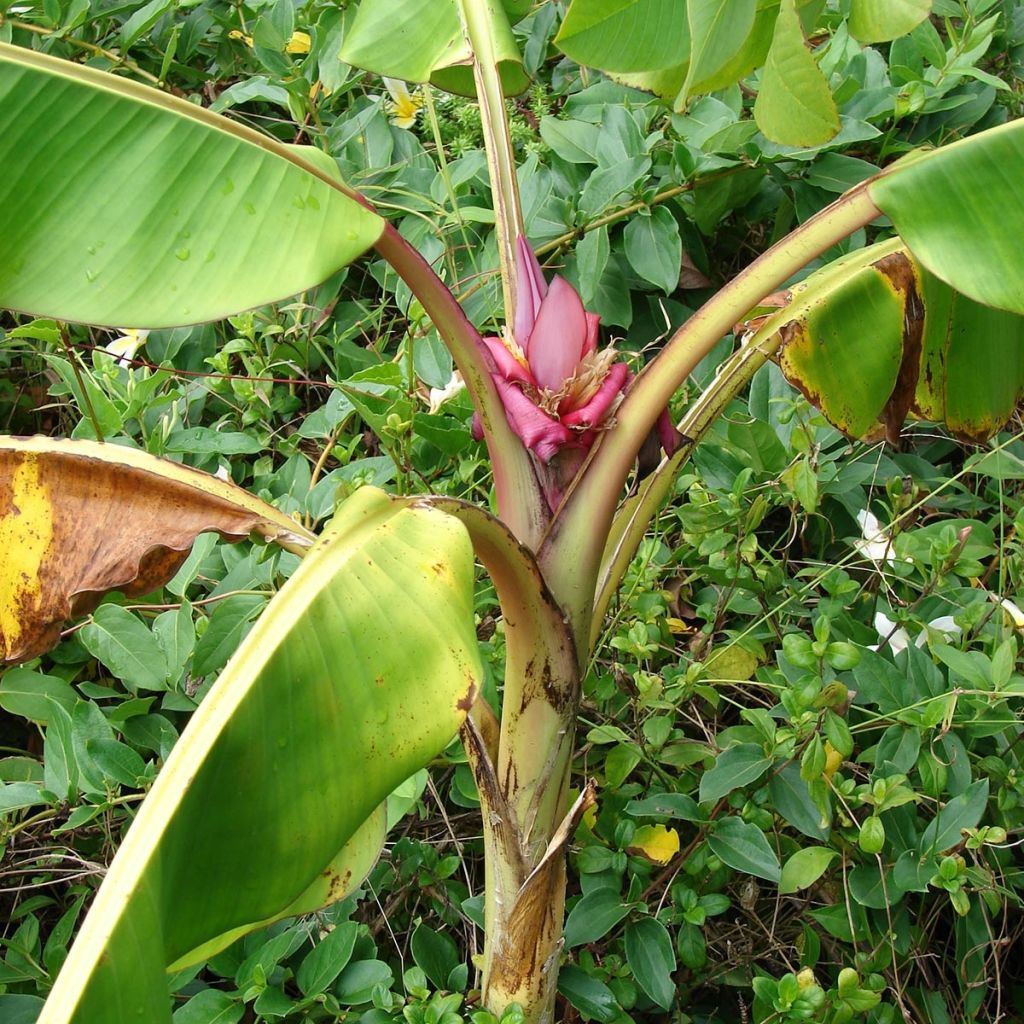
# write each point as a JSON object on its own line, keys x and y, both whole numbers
{"x": 438, "y": 396}
{"x": 899, "y": 639}
{"x": 1016, "y": 615}
{"x": 876, "y": 544}
{"x": 127, "y": 345}
{"x": 403, "y": 105}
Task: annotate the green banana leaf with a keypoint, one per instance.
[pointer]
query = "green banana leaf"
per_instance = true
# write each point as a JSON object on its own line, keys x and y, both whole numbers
{"x": 359, "y": 672}
{"x": 682, "y": 48}
{"x": 875, "y": 336}
{"x": 959, "y": 210}
{"x": 424, "y": 41}
{"x": 124, "y": 206}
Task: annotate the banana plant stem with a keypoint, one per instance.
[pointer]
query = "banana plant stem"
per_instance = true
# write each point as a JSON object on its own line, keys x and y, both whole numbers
{"x": 501, "y": 162}
{"x": 571, "y": 555}
{"x": 518, "y": 491}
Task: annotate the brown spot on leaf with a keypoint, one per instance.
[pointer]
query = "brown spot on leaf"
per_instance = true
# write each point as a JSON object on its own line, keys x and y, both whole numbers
{"x": 903, "y": 277}
{"x": 465, "y": 702}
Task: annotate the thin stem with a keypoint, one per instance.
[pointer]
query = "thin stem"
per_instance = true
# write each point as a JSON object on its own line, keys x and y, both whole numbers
{"x": 114, "y": 58}
{"x": 86, "y": 397}
{"x": 571, "y": 556}
{"x": 501, "y": 162}
{"x": 515, "y": 481}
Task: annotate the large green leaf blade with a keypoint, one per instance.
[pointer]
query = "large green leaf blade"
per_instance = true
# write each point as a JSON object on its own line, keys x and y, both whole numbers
{"x": 424, "y": 41}
{"x": 121, "y": 205}
{"x": 359, "y": 672}
{"x": 959, "y": 210}
{"x": 875, "y": 336}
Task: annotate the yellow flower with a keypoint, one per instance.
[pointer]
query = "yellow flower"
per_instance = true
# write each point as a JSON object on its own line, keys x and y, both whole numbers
{"x": 300, "y": 42}
{"x": 404, "y": 105}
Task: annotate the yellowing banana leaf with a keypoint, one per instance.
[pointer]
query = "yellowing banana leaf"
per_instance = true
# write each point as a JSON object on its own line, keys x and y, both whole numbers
{"x": 79, "y": 518}
{"x": 424, "y": 41}
{"x": 874, "y": 337}
{"x": 959, "y": 211}
{"x": 121, "y": 205}
{"x": 359, "y": 672}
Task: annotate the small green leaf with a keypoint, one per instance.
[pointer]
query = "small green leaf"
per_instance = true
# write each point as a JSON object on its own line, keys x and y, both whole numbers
{"x": 804, "y": 868}
{"x": 792, "y": 799}
{"x": 669, "y": 805}
{"x": 574, "y": 141}
{"x": 594, "y": 916}
{"x": 871, "y": 838}
{"x": 654, "y": 248}
{"x": 359, "y": 979}
{"x": 652, "y": 959}
{"x": 32, "y": 694}
{"x": 794, "y": 106}
{"x": 327, "y": 959}
{"x": 591, "y": 259}
{"x": 211, "y": 1006}
{"x": 588, "y": 995}
{"x": 606, "y": 185}
{"x": 230, "y": 622}
{"x": 120, "y": 640}
{"x": 743, "y": 847}
{"x": 963, "y": 811}
{"x": 621, "y": 760}
{"x": 435, "y": 954}
{"x": 116, "y": 761}
{"x": 738, "y": 766}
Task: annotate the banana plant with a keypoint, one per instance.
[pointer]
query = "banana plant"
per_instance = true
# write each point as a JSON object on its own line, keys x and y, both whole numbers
{"x": 883, "y": 332}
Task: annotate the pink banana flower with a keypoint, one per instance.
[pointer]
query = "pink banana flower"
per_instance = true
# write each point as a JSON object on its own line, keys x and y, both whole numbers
{"x": 557, "y": 388}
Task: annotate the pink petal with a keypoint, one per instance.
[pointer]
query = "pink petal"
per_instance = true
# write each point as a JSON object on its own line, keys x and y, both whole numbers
{"x": 671, "y": 439}
{"x": 477, "y": 429}
{"x": 590, "y": 345}
{"x": 591, "y": 414}
{"x": 539, "y": 432}
{"x": 556, "y": 342}
{"x": 531, "y": 288}
{"x": 506, "y": 364}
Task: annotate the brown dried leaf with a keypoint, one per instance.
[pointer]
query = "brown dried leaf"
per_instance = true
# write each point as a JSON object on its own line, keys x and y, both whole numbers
{"x": 79, "y": 519}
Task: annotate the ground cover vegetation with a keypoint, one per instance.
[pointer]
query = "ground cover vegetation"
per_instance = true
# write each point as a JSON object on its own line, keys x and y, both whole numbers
{"x": 802, "y": 721}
